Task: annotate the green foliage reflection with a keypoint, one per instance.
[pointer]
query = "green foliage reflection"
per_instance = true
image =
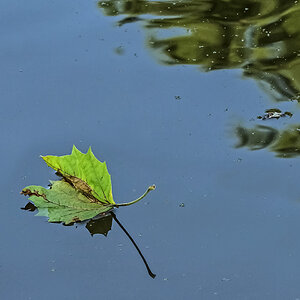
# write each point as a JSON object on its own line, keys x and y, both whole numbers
{"x": 261, "y": 37}
{"x": 285, "y": 143}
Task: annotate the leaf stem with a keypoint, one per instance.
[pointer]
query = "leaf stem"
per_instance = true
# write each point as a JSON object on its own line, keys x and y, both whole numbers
{"x": 135, "y": 245}
{"x": 150, "y": 188}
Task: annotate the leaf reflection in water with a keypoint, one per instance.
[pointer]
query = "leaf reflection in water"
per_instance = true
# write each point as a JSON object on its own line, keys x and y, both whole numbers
{"x": 102, "y": 224}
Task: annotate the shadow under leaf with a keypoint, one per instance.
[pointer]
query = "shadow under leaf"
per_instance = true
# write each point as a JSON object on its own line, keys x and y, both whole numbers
{"x": 102, "y": 224}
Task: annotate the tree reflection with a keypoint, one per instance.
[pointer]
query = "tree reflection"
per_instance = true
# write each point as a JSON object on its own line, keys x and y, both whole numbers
{"x": 285, "y": 143}
{"x": 260, "y": 37}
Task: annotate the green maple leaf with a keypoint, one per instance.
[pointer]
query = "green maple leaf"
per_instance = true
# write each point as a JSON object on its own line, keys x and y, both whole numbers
{"x": 63, "y": 203}
{"x": 84, "y": 191}
{"x": 85, "y": 172}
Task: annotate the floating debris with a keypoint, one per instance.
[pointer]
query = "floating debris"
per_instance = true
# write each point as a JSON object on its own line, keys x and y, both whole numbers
{"x": 119, "y": 50}
{"x": 274, "y": 113}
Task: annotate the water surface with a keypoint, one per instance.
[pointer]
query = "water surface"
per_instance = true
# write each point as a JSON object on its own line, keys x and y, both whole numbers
{"x": 164, "y": 92}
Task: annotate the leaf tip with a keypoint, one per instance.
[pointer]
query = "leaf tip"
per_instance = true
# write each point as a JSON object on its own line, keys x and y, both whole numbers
{"x": 74, "y": 149}
{"x": 44, "y": 158}
{"x": 90, "y": 153}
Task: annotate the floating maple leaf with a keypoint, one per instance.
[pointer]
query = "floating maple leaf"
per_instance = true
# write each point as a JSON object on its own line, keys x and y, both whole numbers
{"x": 84, "y": 191}
{"x": 85, "y": 173}
{"x": 63, "y": 203}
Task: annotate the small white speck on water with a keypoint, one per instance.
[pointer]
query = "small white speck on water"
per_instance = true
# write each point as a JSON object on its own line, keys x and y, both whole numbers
{"x": 225, "y": 279}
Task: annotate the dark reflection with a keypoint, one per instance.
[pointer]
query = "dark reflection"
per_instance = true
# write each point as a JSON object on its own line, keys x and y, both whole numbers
{"x": 29, "y": 206}
{"x": 102, "y": 224}
{"x": 261, "y": 37}
{"x": 285, "y": 143}
{"x": 128, "y": 20}
{"x": 135, "y": 245}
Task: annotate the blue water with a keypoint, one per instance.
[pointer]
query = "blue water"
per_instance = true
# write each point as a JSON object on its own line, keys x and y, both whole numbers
{"x": 63, "y": 83}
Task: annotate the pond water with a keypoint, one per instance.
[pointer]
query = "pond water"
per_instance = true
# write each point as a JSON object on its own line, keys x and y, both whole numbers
{"x": 167, "y": 93}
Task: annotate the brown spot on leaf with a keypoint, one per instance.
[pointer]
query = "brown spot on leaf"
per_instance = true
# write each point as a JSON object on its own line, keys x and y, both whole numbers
{"x": 79, "y": 185}
{"x": 28, "y": 192}
{"x": 75, "y": 219}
